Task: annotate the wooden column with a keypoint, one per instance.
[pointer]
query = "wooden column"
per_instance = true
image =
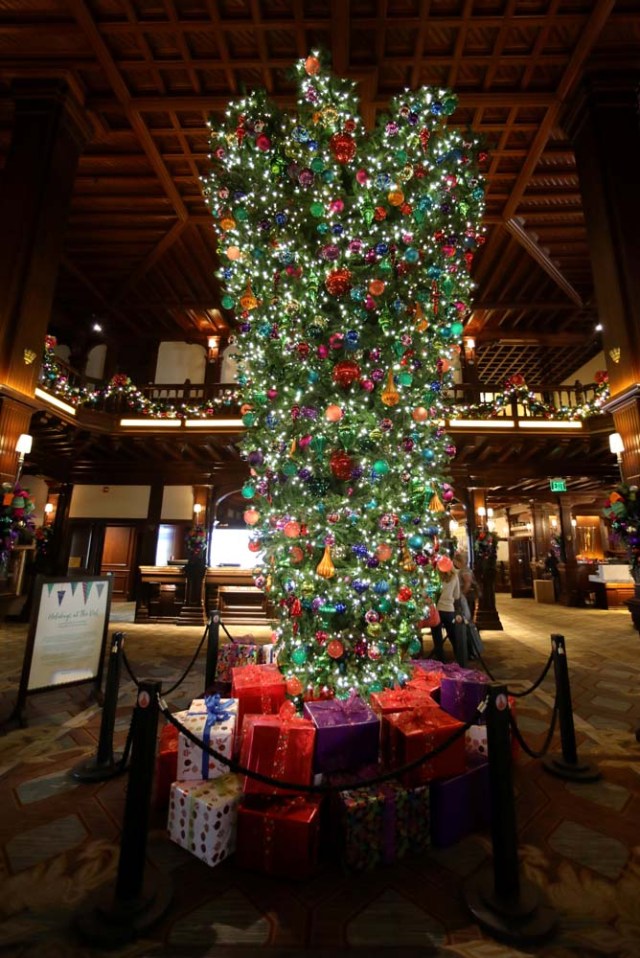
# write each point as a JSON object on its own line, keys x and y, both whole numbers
{"x": 569, "y": 590}
{"x": 50, "y": 130}
{"x": 486, "y": 614}
{"x": 602, "y": 122}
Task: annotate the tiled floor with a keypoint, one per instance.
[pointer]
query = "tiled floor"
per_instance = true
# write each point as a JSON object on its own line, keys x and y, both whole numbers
{"x": 578, "y": 842}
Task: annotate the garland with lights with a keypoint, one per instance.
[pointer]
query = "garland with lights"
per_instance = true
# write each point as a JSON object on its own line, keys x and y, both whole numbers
{"x": 55, "y": 380}
{"x": 346, "y": 258}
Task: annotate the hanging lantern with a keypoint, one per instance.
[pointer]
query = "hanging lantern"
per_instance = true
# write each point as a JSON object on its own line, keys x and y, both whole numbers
{"x": 390, "y": 395}
{"x": 326, "y": 568}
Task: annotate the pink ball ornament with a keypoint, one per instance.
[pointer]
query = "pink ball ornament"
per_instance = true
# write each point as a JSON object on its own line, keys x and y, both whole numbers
{"x": 323, "y": 351}
{"x": 272, "y": 393}
{"x": 362, "y": 176}
{"x": 336, "y": 340}
{"x": 263, "y": 142}
{"x": 450, "y": 450}
{"x": 336, "y": 206}
{"x": 333, "y": 413}
{"x": 447, "y": 495}
{"x": 304, "y": 441}
{"x": 368, "y": 385}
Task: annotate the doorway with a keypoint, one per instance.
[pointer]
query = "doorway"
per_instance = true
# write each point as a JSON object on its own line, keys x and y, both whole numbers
{"x": 118, "y": 552}
{"x": 520, "y": 552}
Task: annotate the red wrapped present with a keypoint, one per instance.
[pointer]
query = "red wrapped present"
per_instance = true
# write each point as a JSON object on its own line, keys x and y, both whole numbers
{"x": 413, "y": 734}
{"x": 166, "y": 765}
{"x": 280, "y": 746}
{"x": 260, "y": 689}
{"x": 401, "y": 700}
{"x": 280, "y": 837}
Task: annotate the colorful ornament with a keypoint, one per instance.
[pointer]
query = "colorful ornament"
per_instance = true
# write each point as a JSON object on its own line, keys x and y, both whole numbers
{"x": 325, "y": 567}
{"x": 390, "y": 395}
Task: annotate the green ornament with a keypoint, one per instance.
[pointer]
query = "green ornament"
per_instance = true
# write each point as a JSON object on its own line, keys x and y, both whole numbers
{"x": 449, "y": 104}
{"x": 368, "y": 214}
{"x": 423, "y": 295}
{"x": 456, "y": 329}
{"x": 248, "y": 491}
{"x": 228, "y": 302}
{"x": 347, "y": 437}
{"x": 380, "y": 468}
{"x": 317, "y": 165}
{"x": 384, "y": 605}
{"x": 327, "y": 609}
{"x": 241, "y": 214}
{"x": 415, "y": 647}
{"x": 319, "y": 444}
{"x": 317, "y": 210}
{"x": 385, "y": 266}
{"x": 398, "y": 348}
{"x": 289, "y": 468}
{"x": 478, "y": 193}
{"x": 299, "y": 655}
{"x": 249, "y": 419}
{"x": 260, "y": 398}
{"x": 401, "y": 156}
{"x": 328, "y": 176}
{"x": 374, "y": 629}
{"x": 405, "y": 378}
{"x": 376, "y": 687}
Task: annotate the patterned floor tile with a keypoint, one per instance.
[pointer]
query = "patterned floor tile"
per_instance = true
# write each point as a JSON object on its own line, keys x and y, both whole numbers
{"x": 602, "y": 793}
{"x": 615, "y": 704}
{"x": 230, "y": 919}
{"x": 603, "y": 854}
{"x": 393, "y": 920}
{"x": 37, "y": 789}
{"x": 604, "y": 722}
{"x": 45, "y": 841}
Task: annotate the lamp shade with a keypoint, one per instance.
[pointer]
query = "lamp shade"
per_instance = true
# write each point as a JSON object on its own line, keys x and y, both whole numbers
{"x": 616, "y": 444}
{"x": 24, "y": 443}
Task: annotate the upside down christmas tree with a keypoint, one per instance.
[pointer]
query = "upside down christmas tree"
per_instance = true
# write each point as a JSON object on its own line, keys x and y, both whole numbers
{"x": 345, "y": 257}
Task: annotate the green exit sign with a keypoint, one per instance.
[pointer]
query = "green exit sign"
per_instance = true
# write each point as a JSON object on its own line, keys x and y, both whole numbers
{"x": 558, "y": 485}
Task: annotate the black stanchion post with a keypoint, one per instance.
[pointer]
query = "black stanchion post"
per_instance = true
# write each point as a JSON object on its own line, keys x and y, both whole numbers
{"x": 115, "y": 916}
{"x": 104, "y": 763}
{"x": 213, "y": 643}
{"x": 567, "y": 765}
{"x": 508, "y": 906}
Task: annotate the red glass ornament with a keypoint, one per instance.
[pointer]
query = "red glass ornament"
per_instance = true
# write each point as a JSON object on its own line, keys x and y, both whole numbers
{"x": 338, "y": 282}
{"x": 380, "y": 213}
{"x": 345, "y": 373}
{"x": 295, "y": 609}
{"x": 404, "y": 593}
{"x": 342, "y": 147}
{"x": 294, "y": 686}
{"x": 341, "y": 464}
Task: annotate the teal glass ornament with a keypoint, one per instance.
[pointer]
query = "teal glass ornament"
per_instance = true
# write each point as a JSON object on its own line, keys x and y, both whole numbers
{"x": 405, "y": 378}
{"x": 248, "y": 491}
{"x": 289, "y": 468}
{"x": 299, "y": 656}
{"x": 380, "y": 468}
{"x": 227, "y": 301}
{"x": 383, "y": 605}
{"x": 249, "y": 419}
{"x": 415, "y": 542}
{"x": 317, "y": 165}
{"x": 456, "y": 329}
{"x": 411, "y": 255}
{"x": 376, "y": 687}
{"x": 415, "y": 647}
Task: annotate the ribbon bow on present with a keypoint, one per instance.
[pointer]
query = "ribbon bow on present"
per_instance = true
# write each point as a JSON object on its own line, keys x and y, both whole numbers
{"x": 217, "y": 713}
{"x": 344, "y": 712}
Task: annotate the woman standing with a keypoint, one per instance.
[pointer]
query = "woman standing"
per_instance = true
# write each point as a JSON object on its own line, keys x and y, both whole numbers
{"x": 450, "y": 591}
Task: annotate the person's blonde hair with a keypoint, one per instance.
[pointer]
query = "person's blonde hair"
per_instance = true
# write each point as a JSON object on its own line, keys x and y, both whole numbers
{"x": 447, "y": 576}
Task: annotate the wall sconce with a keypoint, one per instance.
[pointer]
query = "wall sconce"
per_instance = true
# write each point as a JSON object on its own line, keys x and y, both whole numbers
{"x": 469, "y": 350}
{"x": 213, "y": 348}
{"x": 616, "y": 447}
{"x": 48, "y": 513}
{"x": 554, "y": 522}
{"x": 197, "y": 509}
{"x": 29, "y": 356}
{"x": 23, "y": 448}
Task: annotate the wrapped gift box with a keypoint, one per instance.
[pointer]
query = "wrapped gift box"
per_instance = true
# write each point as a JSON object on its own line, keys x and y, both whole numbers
{"x": 268, "y": 654}
{"x": 460, "y": 805}
{"x": 475, "y": 741}
{"x": 413, "y": 734}
{"x": 382, "y": 823}
{"x": 203, "y": 817}
{"x": 260, "y": 690}
{"x": 402, "y": 700}
{"x": 280, "y": 746}
{"x": 280, "y": 836}
{"x": 234, "y": 655}
{"x": 348, "y": 733}
{"x": 166, "y": 765}
{"x": 462, "y": 693}
{"x": 213, "y": 720}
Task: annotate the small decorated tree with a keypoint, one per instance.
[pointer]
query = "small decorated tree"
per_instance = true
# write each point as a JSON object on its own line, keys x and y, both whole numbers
{"x": 346, "y": 258}
{"x": 622, "y": 509}
{"x": 16, "y": 521}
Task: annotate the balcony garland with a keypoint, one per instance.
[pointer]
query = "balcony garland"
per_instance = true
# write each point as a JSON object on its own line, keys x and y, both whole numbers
{"x": 121, "y": 387}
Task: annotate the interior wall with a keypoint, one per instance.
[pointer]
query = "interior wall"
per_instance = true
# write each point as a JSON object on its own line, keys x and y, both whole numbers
{"x": 180, "y": 361}
{"x": 177, "y": 503}
{"x": 109, "y": 502}
{"x": 586, "y": 374}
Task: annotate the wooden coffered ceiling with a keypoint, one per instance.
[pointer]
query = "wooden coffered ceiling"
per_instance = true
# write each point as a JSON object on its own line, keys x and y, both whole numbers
{"x": 140, "y": 251}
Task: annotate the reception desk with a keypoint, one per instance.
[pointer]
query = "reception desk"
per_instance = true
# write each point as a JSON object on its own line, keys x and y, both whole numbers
{"x": 612, "y": 586}
{"x": 161, "y": 595}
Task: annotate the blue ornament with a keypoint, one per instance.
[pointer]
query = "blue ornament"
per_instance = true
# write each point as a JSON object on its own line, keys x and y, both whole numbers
{"x": 312, "y": 376}
{"x": 381, "y": 587}
{"x": 312, "y": 145}
{"x": 436, "y": 107}
{"x": 415, "y": 542}
{"x": 360, "y": 586}
{"x": 383, "y": 180}
{"x": 411, "y": 255}
{"x": 428, "y": 455}
{"x": 281, "y": 218}
{"x": 382, "y": 249}
{"x": 337, "y": 229}
{"x": 341, "y": 608}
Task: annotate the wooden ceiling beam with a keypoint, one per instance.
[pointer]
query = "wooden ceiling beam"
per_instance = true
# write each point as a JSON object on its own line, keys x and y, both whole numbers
{"x": 536, "y": 252}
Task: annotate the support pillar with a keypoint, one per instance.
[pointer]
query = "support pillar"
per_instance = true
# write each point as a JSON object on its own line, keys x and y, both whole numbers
{"x": 604, "y": 112}
{"x": 484, "y": 567}
{"x": 50, "y": 131}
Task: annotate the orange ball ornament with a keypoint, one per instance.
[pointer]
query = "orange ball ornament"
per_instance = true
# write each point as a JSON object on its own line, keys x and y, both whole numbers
{"x": 233, "y": 253}
{"x": 333, "y": 413}
{"x": 292, "y": 530}
{"x": 312, "y": 66}
{"x": 384, "y": 552}
{"x": 420, "y": 414}
{"x": 335, "y": 649}
{"x": 294, "y": 686}
{"x": 376, "y": 287}
{"x": 251, "y": 516}
{"x": 296, "y": 554}
{"x": 396, "y": 197}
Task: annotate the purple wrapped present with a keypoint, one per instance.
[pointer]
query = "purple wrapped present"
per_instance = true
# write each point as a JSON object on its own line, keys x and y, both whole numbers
{"x": 460, "y": 806}
{"x": 348, "y": 733}
{"x": 462, "y": 693}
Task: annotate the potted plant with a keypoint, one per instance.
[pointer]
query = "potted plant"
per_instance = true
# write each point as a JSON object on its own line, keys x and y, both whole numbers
{"x": 17, "y": 525}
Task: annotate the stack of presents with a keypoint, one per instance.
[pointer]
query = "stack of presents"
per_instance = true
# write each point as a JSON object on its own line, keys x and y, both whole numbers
{"x": 213, "y": 813}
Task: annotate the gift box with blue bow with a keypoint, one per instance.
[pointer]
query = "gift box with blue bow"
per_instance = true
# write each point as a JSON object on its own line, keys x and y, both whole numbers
{"x": 213, "y": 720}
